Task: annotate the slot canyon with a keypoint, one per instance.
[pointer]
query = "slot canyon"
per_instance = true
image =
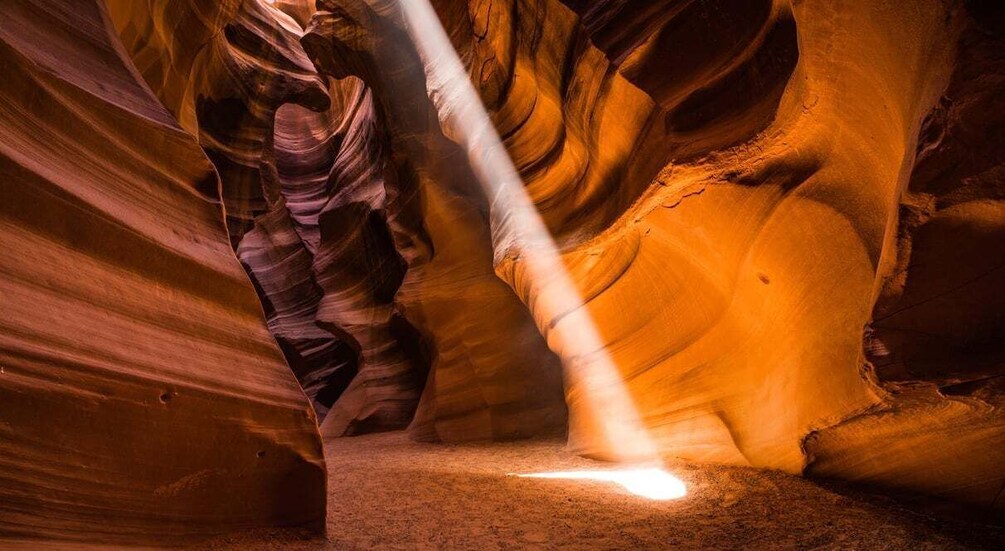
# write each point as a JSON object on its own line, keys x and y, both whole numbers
{"x": 502, "y": 274}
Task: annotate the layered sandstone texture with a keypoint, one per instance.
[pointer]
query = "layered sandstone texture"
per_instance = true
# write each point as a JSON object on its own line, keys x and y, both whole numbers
{"x": 351, "y": 213}
{"x": 142, "y": 399}
{"x": 786, "y": 219}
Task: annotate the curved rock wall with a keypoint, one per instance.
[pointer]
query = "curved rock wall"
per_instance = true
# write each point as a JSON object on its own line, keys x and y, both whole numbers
{"x": 734, "y": 285}
{"x": 785, "y": 217}
{"x": 364, "y": 293}
{"x": 936, "y": 333}
{"x": 142, "y": 400}
{"x": 241, "y": 62}
{"x": 332, "y": 170}
{"x": 491, "y": 374}
{"x": 770, "y": 257}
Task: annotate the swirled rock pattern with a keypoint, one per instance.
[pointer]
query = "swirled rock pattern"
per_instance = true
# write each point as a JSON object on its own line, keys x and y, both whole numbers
{"x": 785, "y": 218}
{"x": 491, "y": 374}
{"x": 142, "y": 399}
{"x": 936, "y": 333}
{"x": 730, "y": 213}
{"x": 332, "y": 172}
{"x": 323, "y": 211}
{"x": 242, "y": 63}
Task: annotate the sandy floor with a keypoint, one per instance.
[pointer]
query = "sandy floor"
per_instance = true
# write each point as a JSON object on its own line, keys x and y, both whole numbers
{"x": 387, "y": 492}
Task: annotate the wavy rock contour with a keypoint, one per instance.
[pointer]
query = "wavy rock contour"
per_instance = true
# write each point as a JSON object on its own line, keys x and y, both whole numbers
{"x": 142, "y": 399}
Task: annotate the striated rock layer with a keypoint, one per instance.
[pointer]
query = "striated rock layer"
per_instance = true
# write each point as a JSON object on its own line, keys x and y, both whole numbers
{"x": 730, "y": 212}
{"x": 142, "y": 399}
{"x": 937, "y": 329}
{"x": 747, "y": 347}
{"x": 490, "y": 373}
{"x": 238, "y": 63}
{"x": 786, "y": 219}
{"x": 377, "y": 289}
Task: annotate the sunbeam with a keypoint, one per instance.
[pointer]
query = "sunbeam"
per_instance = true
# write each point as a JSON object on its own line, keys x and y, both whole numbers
{"x": 520, "y": 235}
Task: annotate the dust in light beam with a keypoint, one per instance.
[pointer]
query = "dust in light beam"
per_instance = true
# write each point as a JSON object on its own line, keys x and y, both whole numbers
{"x": 520, "y": 235}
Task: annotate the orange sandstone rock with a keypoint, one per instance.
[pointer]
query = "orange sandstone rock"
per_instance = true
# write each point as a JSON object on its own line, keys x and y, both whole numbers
{"x": 785, "y": 218}
{"x": 142, "y": 399}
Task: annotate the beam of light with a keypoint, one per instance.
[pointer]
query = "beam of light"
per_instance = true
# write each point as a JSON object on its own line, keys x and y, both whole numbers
{"x": 520, "y": 235}
{"x": 650, "y": 483}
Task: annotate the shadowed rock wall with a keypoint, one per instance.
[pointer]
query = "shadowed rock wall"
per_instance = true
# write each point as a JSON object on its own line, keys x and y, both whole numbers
{"x": 733, "y": 184}
{"x": 142, "y": 399}
{"x": 376, "y": 289}
{"x": 786, "y": 219}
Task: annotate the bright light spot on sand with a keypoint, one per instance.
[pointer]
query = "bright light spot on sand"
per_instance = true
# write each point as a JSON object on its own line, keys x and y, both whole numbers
{"x": 651, "y": 483}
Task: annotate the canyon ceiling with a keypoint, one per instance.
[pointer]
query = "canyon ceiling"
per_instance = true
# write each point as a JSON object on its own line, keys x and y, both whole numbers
{"x": 231, "y": 229}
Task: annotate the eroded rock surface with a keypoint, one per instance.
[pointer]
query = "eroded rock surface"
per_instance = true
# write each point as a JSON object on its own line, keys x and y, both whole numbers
{"x": 363, "y": 293}
{"x": 491, "y": 374}
{"x": 732, "y": 219}
{"x": 142, "y": 399}
{"x": 786, "y": 220}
